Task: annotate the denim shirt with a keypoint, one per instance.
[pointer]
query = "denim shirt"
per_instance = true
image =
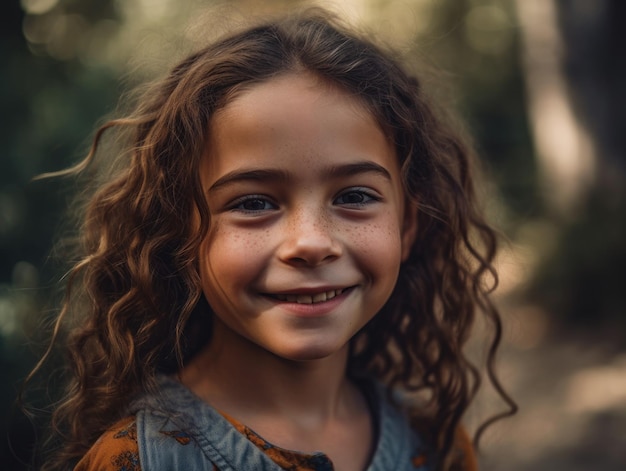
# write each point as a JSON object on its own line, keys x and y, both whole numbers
{"x": 211, "y": 441}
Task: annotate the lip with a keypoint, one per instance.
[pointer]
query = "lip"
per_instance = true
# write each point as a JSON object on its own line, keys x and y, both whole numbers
{"x": 310, "y": 302}
{"x": 310, "y": 296}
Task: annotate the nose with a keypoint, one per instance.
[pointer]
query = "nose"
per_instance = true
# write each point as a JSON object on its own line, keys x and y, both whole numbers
{"x": 309, "y": 240}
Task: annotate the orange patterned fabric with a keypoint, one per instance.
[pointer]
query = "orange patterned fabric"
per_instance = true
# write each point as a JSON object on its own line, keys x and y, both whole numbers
{"x": 286, "y": 459}
{"x": 464, "y": 450}
{"x": 117, "y": 450}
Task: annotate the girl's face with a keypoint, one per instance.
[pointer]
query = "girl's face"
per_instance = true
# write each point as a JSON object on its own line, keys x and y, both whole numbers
{"x": 308, "y": 224}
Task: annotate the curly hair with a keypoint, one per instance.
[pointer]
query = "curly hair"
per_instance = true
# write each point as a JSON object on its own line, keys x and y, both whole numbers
{"x": 135, "y": 291}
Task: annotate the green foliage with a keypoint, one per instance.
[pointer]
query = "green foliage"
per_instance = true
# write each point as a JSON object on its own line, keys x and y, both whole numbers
{"x": 49, "y": 109}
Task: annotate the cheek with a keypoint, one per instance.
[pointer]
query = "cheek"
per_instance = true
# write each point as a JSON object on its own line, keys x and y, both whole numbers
{"x": 379, "y": 245}
{"x": 229, "y": 256}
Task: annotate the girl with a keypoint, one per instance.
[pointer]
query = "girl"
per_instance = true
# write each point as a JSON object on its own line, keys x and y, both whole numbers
{"x": 282, "y": 270}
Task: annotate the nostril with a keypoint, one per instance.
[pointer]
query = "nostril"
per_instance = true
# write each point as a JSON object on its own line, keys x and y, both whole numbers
{"x": 310, "y": 254}
{"x": 308, "y": 241}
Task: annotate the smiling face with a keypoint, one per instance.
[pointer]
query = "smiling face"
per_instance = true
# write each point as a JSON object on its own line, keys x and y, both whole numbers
{"x": 307, "y": 218}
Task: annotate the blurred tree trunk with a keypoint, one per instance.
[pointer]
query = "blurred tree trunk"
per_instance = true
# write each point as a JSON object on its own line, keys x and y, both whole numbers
{"x": 573, "y": 64}
{"x": 595, "y": 64}
{"x": 563, "y": 146}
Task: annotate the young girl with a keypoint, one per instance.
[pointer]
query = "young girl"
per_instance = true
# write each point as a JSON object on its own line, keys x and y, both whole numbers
{"x": 281, "y": 272}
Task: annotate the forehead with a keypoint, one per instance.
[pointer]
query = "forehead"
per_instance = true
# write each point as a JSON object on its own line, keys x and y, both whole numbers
{"x": 301, "y": 89}
{"x": 293, "y": 108}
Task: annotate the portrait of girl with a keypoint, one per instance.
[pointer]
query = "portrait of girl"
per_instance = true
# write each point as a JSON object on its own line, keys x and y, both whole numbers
{"x": 280, "y": 268}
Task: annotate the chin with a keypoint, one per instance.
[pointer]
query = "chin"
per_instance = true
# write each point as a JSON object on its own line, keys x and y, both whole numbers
{"x": 309, "y": 353}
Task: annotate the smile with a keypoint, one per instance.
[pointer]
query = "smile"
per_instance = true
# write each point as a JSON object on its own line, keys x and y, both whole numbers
{"x": 308, "y": 298}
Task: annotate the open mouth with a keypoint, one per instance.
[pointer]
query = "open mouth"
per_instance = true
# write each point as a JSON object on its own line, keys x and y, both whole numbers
{"x": 309, "y": 298}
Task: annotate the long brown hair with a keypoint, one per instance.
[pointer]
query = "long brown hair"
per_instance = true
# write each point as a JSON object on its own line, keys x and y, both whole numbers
{"x": 133, "y": 295}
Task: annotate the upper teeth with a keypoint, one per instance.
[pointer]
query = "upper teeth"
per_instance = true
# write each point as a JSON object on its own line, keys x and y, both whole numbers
{"x": 309, "y": 299}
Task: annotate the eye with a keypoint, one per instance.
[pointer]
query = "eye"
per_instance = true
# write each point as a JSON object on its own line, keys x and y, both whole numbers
{"x": 356, "y": 197}
{"x": 252, "y": 204}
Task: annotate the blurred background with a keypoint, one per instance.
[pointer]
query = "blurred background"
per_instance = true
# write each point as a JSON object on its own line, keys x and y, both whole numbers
{"x": 541, "y": 85}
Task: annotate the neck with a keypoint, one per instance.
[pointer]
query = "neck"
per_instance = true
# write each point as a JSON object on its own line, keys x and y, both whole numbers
{"x": 250, "y": 383}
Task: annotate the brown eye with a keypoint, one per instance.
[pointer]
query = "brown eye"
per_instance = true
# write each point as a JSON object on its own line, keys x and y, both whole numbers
{"x": 355, "y": 198}
{"x": 253, "y": 204}
{"x": 352, "y": 197}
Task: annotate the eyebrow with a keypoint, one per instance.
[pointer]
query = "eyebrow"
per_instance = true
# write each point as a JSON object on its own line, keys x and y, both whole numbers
{"x": 265, "y": 175}
{"x": 358, "y": 168}
{"x": 277, "y": 175}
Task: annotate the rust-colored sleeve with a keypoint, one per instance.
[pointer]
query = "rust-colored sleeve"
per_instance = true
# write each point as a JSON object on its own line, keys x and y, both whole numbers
{"x": 465, "y": 449}
{"x": 115, "y": 450}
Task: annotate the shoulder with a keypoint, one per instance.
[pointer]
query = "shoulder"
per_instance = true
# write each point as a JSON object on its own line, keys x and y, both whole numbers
{"x": 115, "y": 450}
{"x": 399, "y": 434}
{"x": 463, "y": 454}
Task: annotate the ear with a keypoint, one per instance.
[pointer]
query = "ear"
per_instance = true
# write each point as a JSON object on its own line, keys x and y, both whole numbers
{"x": 409, "y": 229}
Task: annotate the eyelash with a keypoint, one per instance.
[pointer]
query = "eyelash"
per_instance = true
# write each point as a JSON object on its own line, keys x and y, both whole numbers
{"x": 368, "y": 196}
{"x": 238, "y": 204}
